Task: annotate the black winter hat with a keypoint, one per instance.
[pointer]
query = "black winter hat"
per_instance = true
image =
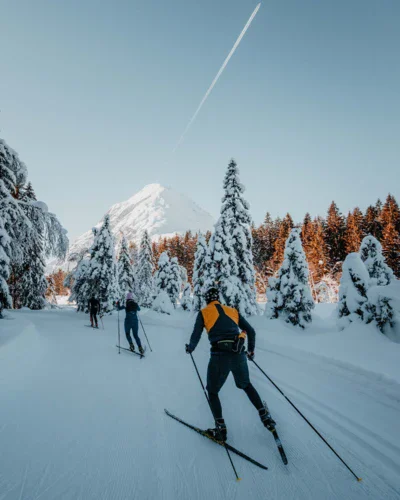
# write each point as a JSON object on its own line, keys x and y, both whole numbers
{"x": 211, "y": 295}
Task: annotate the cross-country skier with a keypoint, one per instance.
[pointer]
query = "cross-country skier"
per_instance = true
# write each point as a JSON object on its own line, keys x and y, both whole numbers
{"x": 94, "y": 309}
{"x": 227, "y": 355}
{"x": 131, "y": 322}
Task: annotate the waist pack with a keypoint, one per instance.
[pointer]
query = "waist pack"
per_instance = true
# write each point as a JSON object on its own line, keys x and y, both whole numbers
{"x": 235, "y": 345}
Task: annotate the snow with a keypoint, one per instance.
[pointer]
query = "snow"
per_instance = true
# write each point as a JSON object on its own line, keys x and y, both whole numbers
{"x": 79, "y": 421}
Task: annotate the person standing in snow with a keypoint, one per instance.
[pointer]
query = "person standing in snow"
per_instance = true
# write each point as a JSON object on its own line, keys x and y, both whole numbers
{"x": 94, "y": 309}
{"x": 131, "y": 322}
{"x": 227, "y": 355}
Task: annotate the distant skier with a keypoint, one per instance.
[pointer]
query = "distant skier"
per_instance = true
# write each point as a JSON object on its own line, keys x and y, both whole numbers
{"x": 94, "y": 309}
{"x": 227, "y": 355}
{"x": 131, "y": 322}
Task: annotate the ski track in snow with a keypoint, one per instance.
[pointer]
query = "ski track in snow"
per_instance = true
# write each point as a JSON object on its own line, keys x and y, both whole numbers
{"x": 80, "y": 421}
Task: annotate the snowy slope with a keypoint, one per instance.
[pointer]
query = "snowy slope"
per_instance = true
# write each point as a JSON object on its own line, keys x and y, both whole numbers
{"x": 79, "y": 421}
{"x": 160, "y": 210}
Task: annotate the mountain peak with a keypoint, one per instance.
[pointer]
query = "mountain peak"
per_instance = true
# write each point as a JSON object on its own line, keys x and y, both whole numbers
{"x": 160, "y": 210}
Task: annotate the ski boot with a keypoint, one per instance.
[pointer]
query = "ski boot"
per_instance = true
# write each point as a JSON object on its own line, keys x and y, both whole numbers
{"x": 219, "y": 433}
{"x": 132, "y": 347}
{"x": 266, "y": 418}
{"x": 141, "y": 350}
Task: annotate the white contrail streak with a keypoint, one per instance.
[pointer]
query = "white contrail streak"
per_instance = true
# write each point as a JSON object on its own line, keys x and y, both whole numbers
{"x": 218, "y": 75}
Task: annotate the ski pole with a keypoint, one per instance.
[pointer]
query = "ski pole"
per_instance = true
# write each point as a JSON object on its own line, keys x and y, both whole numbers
{"x": 209, "y": 404}
{"x": 308, "y": 422}
{"x": 144, "y": 331}
{"x": 119, "y": 336}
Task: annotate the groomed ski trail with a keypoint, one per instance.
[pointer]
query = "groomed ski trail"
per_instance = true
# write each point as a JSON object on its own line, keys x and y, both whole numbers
{"x": 80, "y": 421}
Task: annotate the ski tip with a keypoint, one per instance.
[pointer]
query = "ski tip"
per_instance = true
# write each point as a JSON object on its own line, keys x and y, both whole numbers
{"x": 359, "y": 479}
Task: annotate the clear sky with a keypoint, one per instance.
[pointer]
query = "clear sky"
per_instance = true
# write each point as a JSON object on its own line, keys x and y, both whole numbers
{"x": 95, "y": 94}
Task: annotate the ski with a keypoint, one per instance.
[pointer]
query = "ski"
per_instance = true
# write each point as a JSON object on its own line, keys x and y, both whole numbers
{"x": 230, "y": 448}
{"x": 133, "y": 352}
{"x": 94, "y": 327}
{"x": 280, "y": 447}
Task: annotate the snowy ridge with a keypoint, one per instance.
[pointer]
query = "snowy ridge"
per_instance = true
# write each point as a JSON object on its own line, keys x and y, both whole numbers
{"x": 160, "y": 210}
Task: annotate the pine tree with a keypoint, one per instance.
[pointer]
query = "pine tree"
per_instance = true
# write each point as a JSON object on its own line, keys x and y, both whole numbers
{"x": 317, "y": 252}
{"x": 354, "y": 231}
{"x": 284, "y": 230}
{"x": 174, "y": 281}
{"x": 144, "y": 275}
{"x": 372, "y": 224}
{"x": 221, "y": 270}
{"x": 125, "y": 271}
{"x": 186, "y": 301}
{"x": 198, "y": 273}
{"x": 235, "y": 215}
{"x": 5, "y": 253}
{"x": 102, "y": 273}
{"x": 335, "y": 237}
{"x": 391, "y": 247}
{"x": 80, "y": 292}
{"x": 162, "y": 275}
{"x": 289, "y": 294}
{"x": 371, "y": 254}
{"x": 390, "y": 213}
{"x": 353, "y": 301}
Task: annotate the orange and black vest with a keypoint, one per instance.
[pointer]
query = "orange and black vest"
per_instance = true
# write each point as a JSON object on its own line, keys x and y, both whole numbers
{"x": 221, "y": 322}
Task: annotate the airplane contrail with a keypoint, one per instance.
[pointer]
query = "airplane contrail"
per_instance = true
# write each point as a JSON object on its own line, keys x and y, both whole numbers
{"x": 218, "y": 75}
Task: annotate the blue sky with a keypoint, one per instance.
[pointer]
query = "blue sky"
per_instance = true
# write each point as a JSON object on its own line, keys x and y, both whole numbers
{"x": 94, "y": 96}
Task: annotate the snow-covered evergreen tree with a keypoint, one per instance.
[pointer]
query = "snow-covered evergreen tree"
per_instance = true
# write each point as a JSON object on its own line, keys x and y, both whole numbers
{"x": 144, "y": 287}
{"x": 236, "y": 216}
{"x": 162, "y": 275}
{"x": 221, "y": 270}
{"x": 125, "y": 270}
{"x": 174, "y": 281}
{"x": 353, "y": 301}
{"x": 5, "y": 253}
{"x": 102, "y": 268}
{"x": 186, "y": 300}
{"x": 289, "y": 295}
{"x": 371, "y": 254}
{"x": 198, "y": 273}
{"x": 80, "y": 292}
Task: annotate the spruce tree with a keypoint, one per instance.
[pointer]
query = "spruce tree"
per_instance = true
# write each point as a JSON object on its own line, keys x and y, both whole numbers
{"x": 390, "y": 213}
{"x": 371, "y": 254}
{"x": 221, "y": 268}
{"x": 144, "y": 275}
{"x": 198, "y": 273}
{"x": 372, "y": 223}
{"x": 235, "y": 214}
{"x": 289, "y": 295}
{"x": 174, "y": 281}
{"x": 284, "y": 228}
{"x": 391, "y": 247}
{"x": 354, "y": 231}
{"x": 317, "y": 252}
{"x": 80, "y": 290}
{"x": 162, "y": 275}
{"x": 28, "y": 194}
{"x": 335, "y": 237}
{"x": 102, "y": 268}
{"x": 353, "y": 300}
{"x": 125, "y": 271}
{"x": 5, "y": 253}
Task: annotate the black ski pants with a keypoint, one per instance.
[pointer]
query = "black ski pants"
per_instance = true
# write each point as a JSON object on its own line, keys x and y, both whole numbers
{"x": 221, "y": 364}
{"x": 93, "y": 317}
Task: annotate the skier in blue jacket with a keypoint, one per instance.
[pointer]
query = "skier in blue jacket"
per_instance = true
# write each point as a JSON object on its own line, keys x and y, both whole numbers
{"x": 131, "y": 322}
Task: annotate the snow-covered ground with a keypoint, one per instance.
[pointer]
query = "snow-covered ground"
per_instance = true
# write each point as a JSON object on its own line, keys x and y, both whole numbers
{"x": 79, "y": 421}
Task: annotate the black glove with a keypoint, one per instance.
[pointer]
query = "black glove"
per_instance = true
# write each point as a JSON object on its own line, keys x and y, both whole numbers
{"x": 188, "y": 349}
{"x": 250, "y": 355}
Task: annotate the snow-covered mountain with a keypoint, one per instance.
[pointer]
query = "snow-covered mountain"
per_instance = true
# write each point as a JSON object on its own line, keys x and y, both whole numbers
{"x": 160, "y": 210}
